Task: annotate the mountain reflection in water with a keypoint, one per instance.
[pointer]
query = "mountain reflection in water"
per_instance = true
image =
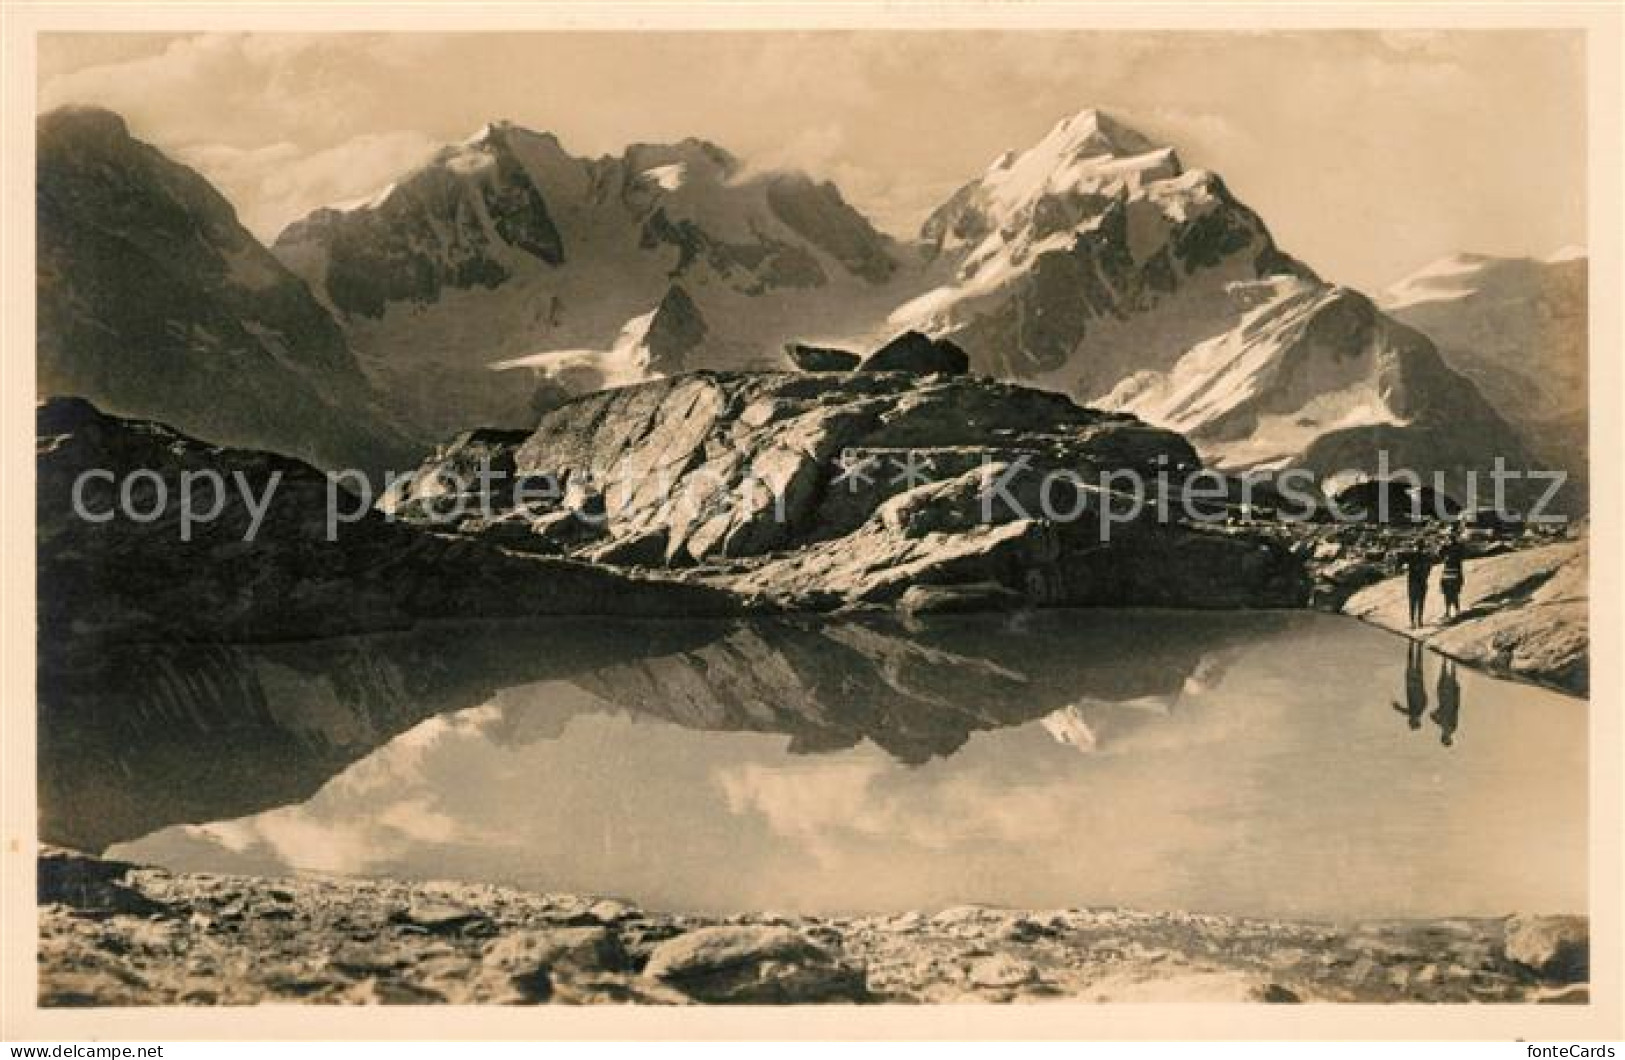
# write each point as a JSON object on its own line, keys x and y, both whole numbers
{"x": 1237, "y": 762}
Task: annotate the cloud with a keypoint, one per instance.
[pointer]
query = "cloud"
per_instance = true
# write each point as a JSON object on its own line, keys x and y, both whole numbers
{"x": 380, "y": 809}
{"x": 279, "y": 183}
{"x": 241, "y": 89}
{"x": 827, "y": 804}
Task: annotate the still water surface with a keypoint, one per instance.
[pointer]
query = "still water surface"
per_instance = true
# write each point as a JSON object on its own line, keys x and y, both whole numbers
{"x": 1273, "y": 764}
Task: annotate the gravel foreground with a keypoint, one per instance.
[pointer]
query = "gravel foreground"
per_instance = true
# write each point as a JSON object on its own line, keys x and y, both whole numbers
{"x": 115, "y": 934}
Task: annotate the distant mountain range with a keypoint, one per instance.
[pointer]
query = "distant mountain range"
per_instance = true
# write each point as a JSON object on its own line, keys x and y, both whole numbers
{"x": 505, "y": 249}
{"x": 505, "y": 274}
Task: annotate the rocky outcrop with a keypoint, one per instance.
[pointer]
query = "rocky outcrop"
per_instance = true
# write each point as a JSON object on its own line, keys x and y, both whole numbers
{"x": 1524, "y": 614}
{"x": 226, "y": 940}
{"x": 392, "y": 250}
{"x": 814, "y": 490}
{"x": 913, "y": 352}
{"x": 169, "y": 536}
{"x": 674, "y": 332}
{"x": 1553, "y": 947}
{"x": 154, "y": 302}
{"x": 1139, "y": 564}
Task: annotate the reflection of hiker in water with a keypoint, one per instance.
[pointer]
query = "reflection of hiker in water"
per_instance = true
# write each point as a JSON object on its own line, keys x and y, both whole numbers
{"x": 1451, "y": 576}
{"x": 1418, "y": 564}
{"x": 1448, "y": 712}
{"x": 1416, "y": 689}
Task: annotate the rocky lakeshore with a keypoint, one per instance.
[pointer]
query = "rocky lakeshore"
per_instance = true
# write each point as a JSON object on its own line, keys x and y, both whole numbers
{"x": 119, "y": 934}
{"x": 1524, "y": 615}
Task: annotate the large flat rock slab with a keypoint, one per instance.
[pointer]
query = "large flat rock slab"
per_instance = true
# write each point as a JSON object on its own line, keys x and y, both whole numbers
{"x": 1524, "y": 614}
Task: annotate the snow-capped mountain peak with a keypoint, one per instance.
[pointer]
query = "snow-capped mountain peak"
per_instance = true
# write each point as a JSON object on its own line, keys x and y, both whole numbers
{"x": 1092, "y": 262}
{"x": 505, "y": 244}
{"x": 1083, "y": 158}
{"x": 1094, "y": 132}
{"x": 1081, "y": 239}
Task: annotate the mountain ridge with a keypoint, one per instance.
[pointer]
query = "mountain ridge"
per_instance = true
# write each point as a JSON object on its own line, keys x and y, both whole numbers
{"x": 504, "y": 274}
{"x": 155, "y": 302}
{"x": 1516, "y": 327}
{"x": 505, "y": 248}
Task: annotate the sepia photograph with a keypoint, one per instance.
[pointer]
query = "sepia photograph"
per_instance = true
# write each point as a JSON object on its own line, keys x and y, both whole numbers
{"x": 788, "y": 514}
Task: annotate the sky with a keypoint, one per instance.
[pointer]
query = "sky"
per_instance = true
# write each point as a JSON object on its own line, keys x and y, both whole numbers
{"x": 1367, "y": 154}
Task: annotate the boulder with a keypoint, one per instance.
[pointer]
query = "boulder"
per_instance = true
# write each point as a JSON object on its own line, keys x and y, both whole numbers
{"x": 918, "y": 354}
{"x": 1554, "y": 947}
{"x": 820, "y": 358}
{"x": 442, "y": 918}
{"x": 1001, "y": 971}
{"x": 523, "y": 966}
{"x": 91, "y": 886}
{"x": 921, "y": 600}
{"x": 751, "y": 964}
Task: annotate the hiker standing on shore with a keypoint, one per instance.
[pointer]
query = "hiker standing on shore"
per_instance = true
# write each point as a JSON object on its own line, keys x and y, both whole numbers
{"x": 1418, "y": 565}
{"x": 1451, "y": 575}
